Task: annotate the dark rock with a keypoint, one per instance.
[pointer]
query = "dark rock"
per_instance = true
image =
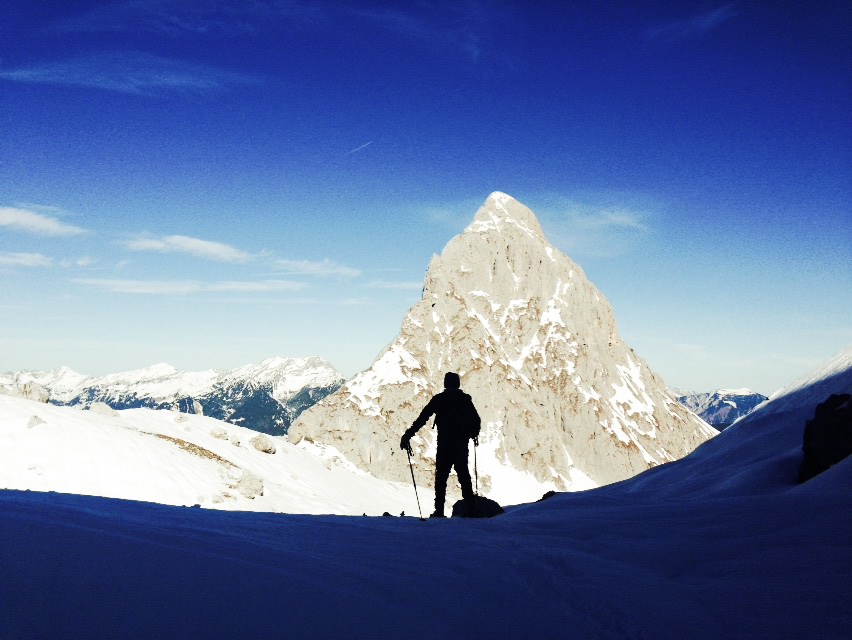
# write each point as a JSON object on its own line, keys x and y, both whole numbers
{"x": 485, "y": 508}
{"x": 828, "y": 436}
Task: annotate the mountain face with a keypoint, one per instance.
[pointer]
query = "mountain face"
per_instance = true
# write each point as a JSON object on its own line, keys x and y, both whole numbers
{"x": 564, "y": 402}
{"x": 266, "y": 397}
{"x": 721, "y": 408}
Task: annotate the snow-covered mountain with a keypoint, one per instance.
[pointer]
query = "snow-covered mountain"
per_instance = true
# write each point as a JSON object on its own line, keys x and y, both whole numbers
{"x": 265, "y": 397}
{"x": 179, "y": 459}
{"x": 722, "y": 543}
{"x": 721, "y": 408}
{"x": 565, "y": 403}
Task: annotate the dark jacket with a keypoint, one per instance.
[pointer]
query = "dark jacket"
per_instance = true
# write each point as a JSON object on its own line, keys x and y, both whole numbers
{"x": 455, "y": 418}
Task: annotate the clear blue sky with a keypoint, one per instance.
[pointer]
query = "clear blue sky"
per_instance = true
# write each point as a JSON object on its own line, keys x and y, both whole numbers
{"x": 213, "y": 183}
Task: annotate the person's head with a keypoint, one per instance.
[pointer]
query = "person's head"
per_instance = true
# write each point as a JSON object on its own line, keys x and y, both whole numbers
{"x": 451, "y": 380}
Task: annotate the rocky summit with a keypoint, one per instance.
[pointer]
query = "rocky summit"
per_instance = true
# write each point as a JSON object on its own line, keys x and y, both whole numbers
{"x": 565, "y": 403}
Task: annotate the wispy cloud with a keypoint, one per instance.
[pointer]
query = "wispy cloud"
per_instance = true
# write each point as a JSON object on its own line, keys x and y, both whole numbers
{"x": 450, "y": 216}
{"x": 357, "y": 149}
{"x": 85, "y": 261}
{"x": 385, "y": 284}
{"x": 176, "y": 18}
{"x": 602, "y": 218}
{"x": 594, "y": 231}
{"x": 28, "y": 221}
{"x": 322, "y": 268}
{"x": 693, "y": 27}
{"x": 459, "y": 26}
{"x": 186, "y": 287}
{"x": 129, "y": 72}
{"x": 24, "y": 260}
{"x": 255, "y": 286}
{"x": 206, "y": 249}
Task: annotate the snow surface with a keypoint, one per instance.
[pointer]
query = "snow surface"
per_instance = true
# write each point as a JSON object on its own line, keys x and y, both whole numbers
{"x": 720, "y": 544}
{"x": 180, "y": 459}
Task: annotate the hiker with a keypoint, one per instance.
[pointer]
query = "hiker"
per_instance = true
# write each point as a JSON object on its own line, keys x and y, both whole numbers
{"x": 457, "y": 422}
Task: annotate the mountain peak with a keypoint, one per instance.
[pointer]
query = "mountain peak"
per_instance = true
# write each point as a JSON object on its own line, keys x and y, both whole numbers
{"x": 564, "y": 402}
{"x": 501, "y": 212}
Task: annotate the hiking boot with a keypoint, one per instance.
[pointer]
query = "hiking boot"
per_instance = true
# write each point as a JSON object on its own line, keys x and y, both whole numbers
{"x": 438, "y": 514}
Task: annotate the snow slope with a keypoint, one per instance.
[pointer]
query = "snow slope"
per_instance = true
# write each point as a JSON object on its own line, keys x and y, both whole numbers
{"x": 720, "y": 544}
{"x": 179, "y": 459}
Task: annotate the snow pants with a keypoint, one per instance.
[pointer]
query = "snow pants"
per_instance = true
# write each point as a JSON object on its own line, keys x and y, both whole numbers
{"x": 447, "y": 458}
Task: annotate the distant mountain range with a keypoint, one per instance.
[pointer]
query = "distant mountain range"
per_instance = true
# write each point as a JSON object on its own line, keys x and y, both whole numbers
{"x": 721, "y": 408}
{"x": 265, "y": 397}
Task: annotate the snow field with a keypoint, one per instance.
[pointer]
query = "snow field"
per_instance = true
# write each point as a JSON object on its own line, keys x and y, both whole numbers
{"x": 178, "y": 459}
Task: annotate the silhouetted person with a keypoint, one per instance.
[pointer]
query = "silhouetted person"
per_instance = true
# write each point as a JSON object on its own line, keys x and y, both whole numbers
{"x": 457, "y": 422}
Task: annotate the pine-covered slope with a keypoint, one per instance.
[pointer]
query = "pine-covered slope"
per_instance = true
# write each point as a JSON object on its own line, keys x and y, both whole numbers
{"x": 565, "y": 403}
{"x": 264, "y": 397}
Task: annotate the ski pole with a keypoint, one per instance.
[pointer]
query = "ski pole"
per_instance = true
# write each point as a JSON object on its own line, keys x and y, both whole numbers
{"x": 411, "y": 466}
{"x": 475, "y": 470}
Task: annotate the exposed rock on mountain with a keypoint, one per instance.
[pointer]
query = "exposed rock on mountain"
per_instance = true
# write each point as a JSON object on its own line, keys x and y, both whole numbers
{"x": 264, "y": 397}
{"x": 28, "y": 391}
{"x": 721, "y": 408}
{"x": 565, "y": 403}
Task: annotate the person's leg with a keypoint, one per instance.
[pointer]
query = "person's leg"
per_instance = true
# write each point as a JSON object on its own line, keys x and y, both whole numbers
{"x": 460, "y": 463}
{"x": 443, "y": 464}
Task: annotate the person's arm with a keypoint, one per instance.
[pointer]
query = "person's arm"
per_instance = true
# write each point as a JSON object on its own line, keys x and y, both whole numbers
{"x": 475, "y": 422}
{"x": 424, "y": 416}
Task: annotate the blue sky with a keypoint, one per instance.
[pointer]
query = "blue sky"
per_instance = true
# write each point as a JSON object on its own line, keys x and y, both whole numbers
{"x": 212, "y": 183}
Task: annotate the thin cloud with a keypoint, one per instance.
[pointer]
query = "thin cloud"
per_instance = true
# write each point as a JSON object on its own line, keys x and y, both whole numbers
{"x": 451, "y": 216}
{"x": 24, "y": 260}
{"x": 457, "y": 27}
{"x": 693, "y": 27}
{"x": 595, "y": 231}
{"x": 250, "y": 286}
{"x": 85, "y": 261}
{"x": 129, "y": 72}
{"x": 196, "y": 247}
{"x": 175, "y": 18}
{"x": 357, "y": 149}
{"x": 322, "y": 268}
{"x": 613, "y": 218}
{"x": 407, "y": 286}
{"x": 186, "y": 287}
{"x": 28, "y": 221}
{"x": 149, "y": 287}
